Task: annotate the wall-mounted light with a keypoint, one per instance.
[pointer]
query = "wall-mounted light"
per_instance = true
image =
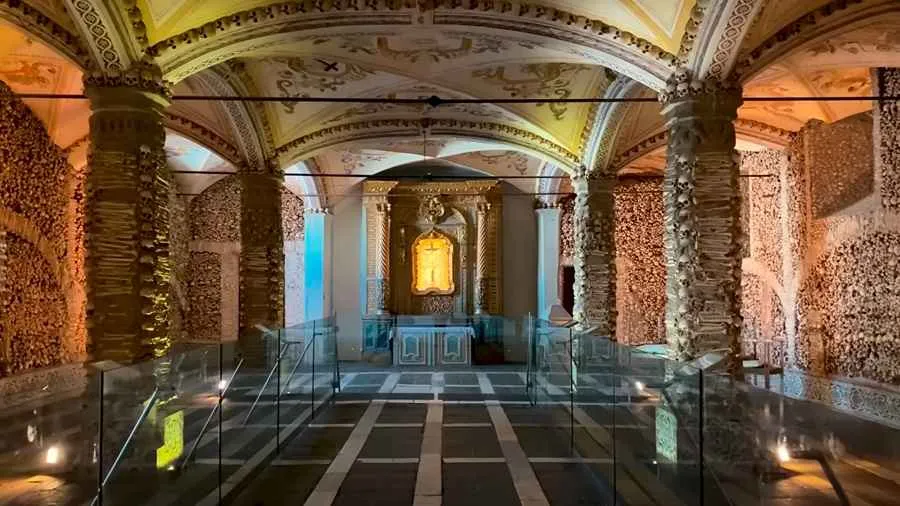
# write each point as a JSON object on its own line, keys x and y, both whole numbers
{"x": 223, "y": 384}
{"x": 782, "y": 452}
{"x": 639, "y": 386}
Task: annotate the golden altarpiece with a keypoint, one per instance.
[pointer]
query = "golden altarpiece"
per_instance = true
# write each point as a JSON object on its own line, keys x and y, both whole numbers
{"x": 432, "y": 268}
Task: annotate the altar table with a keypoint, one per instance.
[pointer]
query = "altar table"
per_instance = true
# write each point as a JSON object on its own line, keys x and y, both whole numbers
{"x": 414, "y": 345}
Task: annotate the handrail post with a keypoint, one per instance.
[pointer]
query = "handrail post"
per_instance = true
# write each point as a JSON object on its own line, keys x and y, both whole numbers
{"x": 219, "y": 411}
{"x": 278, "y": 397}
{"x": 100, "y": 444}
{"x": 336, "y": 383}
{"x": 312, "y": 384}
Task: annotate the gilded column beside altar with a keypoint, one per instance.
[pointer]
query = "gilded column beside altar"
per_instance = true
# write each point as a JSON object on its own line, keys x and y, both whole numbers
{"x": 382, "y": 257}
{"x": 481, "y": 256}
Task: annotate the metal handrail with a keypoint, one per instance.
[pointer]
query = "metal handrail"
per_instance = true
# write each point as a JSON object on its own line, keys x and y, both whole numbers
{"x": 306, "y": 348}
{"x": 212, "y": 413}
{"x": 148, "y": 405}
{"x": 275, "y": 367}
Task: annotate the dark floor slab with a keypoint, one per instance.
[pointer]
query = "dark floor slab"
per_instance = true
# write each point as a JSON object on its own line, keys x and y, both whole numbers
{"x": 618, "y": 415}
{"x": 393, "y": 442}
{"x": 341, "y": 413}
{"x": 544, "y": 415}
{"x": 470, "y": 442}
{"x": 402, "y": 413}
{"x": 368, "y": 380}
{"x": 458, "y": 378}
{"x": 574, "y": 484}
{"x": 237, "y": 443}
{"x": 511, "y": 393}
{"x": 505, "y": 379}
{"x": 281, "y": 486}
{"x": 415, "y": 379}
{"x": 316, "y": 443}
{"x": 462, "y": 413}
{"x": 549, "y": 441}
{"x": 462, "y": 390}
{"x": 378, "y": 485}
{"x": 478, "y": 484}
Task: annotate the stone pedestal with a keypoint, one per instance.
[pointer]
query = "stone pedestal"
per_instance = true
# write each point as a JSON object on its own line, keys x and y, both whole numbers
{"x": 262, "y": 261}
{"x": 127, "y": 222}
{"x": 595, "y": 253}
{"x": 702, "y": 222}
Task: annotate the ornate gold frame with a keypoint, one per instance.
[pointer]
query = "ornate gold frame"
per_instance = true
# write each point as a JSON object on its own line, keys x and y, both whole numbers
{"x": 415, "y": 260}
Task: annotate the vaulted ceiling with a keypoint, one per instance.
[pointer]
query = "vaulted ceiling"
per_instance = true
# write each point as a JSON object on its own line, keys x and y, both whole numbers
{"x": 409, "y": 49}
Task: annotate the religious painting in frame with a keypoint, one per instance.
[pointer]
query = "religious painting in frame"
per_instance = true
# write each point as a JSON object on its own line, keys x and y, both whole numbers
{"x": 432, "y": 265}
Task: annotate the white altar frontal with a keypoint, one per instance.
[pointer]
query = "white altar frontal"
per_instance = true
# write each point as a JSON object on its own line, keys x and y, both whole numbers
{"x": 419, "y": 345}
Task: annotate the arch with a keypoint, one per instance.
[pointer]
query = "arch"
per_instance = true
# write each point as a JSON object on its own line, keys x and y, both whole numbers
{"x": 240, "y": 118}
{"x": 599, "y": 149}
{"x": 548, "y": 184}
{"x": 48, "y": 31}
{"x": 509, "y": 137}
{"x": 310, "y": 189}
{"x": 834, "y": 18}
{"x": 260, "y": 29}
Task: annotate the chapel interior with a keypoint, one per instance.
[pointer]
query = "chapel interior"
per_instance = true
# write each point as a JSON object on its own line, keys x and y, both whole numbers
{"x": 460, "y": 252}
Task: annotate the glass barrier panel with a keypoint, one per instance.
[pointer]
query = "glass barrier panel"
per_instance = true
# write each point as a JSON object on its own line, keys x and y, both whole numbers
{"x": 149, "y": 411}
{"x": 48, "y": 437}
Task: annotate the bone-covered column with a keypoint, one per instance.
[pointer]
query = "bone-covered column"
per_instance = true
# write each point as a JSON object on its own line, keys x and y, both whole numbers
{"x": 127, "y": 217}
{"x": 262, "y": 259}
{"x": 595, "y": 253}
{"x": 702, "y": 223}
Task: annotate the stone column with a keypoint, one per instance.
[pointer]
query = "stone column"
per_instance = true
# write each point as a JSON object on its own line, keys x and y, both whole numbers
{"x": 317, "y": 264}
{"x": 382, "y": 257}
{"x": 127, "y": 217}
{"x": 482, "y": 279}
{"x": 548, "y": 223}
{"x": 261, "y": 298}
{"x": 795, "y": 217}
{"x": 702, "y": 222}
{"x": 595, "y": 253}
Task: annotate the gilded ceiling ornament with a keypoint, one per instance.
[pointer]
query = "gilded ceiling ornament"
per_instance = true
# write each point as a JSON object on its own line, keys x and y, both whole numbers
{"x": 544, "y": 80}
{"x": 27, "y": 73}
{"x": 432, "y": 209}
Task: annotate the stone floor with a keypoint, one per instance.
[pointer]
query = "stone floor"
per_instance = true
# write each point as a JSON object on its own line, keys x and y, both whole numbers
{"x": 454, "y": 437}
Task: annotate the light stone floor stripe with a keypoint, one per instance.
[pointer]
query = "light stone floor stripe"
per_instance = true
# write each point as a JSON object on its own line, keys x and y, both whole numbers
{"x": 347, "y": 379}
{"x": 484, "y": 383}
{"x": 390, "y": 383}
{"x": 527, "y": 486}
{"x": 428, "y": 478}
{"x": 372, "y": 460}
{"x": 327, "y": 488}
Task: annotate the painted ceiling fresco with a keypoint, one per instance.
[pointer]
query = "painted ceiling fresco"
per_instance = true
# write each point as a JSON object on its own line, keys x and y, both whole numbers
{"x": 662, "y": 22}
{"x": 29, "y": 66}
{"x": 449, "y": 64}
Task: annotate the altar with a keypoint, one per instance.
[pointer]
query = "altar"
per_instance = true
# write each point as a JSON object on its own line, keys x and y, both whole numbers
{"x": 432, "y": 346}
{"x": 432, "y": 271}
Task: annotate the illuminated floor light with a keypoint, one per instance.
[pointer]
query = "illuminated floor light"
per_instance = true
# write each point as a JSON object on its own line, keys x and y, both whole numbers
{"x": 639, "y": 386}
{"x": 223, "y": 384}
{"x": 54, "y": 455}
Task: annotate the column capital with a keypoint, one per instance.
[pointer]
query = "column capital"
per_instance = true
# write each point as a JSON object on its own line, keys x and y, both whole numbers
{"x": 141, "y": 77}
{"x": 685, "y": 97}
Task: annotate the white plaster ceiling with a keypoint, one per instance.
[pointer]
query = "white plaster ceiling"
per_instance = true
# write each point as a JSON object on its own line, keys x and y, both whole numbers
{"x": 29, "y": 66}
{"x": 661, "y": 22}
{"x": 184, "y": 154}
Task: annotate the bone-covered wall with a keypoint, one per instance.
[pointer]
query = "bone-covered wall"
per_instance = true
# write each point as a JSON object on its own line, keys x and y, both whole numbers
{"x": 641, "y": 270}
{"x": 213, "y": 278}
{"x": 42, "y": 299}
